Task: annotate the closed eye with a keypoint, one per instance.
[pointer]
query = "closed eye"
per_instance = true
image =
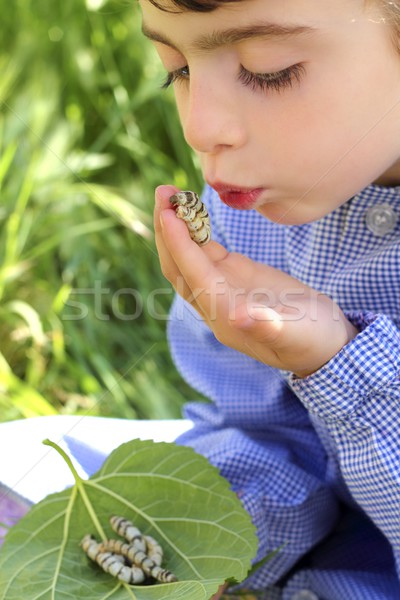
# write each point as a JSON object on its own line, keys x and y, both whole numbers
{"x": 272, "y": 81}
{"x": 276, "y": 81}
{"x": 177, "y": 75}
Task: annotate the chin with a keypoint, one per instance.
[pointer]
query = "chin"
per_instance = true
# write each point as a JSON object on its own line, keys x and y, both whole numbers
{"x": 290, "y": 215}
{"x": 280, "y": 216}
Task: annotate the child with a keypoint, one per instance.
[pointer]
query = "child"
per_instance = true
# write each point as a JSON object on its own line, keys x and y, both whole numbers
{"x": 288, "y": 320}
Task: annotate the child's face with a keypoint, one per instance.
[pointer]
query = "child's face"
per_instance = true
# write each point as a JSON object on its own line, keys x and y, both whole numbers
{"x": 319, "y": 121}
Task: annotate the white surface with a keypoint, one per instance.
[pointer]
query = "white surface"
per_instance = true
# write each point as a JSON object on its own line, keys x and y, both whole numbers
{"x": 34, "y": 470}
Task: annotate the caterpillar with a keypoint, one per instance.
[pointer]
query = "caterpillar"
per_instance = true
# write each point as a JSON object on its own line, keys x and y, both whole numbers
{"x": 191, "y": 209}
{"x": 141, "y": 542}
{"x": 130, "y": 560}
{"x": 138, "y": 558}
{"x": 144, "y": 551}
{"x": 154, "y": 550}
{"x": 111, "y": 563}
{"x": 127, "y": 530}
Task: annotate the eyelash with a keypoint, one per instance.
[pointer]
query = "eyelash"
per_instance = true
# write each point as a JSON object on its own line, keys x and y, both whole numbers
{"x": 177, "y": 75}
{"x": 272, "y": 81}
{"x": 256, "y": 81}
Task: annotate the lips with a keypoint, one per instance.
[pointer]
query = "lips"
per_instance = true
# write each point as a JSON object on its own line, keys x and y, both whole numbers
{"x": 237, "y": 197}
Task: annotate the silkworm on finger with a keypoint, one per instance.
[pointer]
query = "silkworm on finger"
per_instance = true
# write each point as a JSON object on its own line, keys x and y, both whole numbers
{"x": 191, "y": 209}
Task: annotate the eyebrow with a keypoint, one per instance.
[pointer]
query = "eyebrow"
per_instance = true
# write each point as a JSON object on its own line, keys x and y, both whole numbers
{"x": 216, "y": 39}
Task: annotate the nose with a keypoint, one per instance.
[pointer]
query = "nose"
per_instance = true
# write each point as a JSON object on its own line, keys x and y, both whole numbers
{"x": 212, "y": 116}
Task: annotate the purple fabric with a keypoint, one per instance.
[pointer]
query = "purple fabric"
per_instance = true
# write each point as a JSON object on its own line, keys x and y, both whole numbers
{"x": 12, "y": 508}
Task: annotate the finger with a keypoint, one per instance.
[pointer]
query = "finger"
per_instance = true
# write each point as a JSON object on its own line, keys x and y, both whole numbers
{"x": 162, "y": 195}
{"x": 168, "y": 265}
{"x": 199, "y": 266}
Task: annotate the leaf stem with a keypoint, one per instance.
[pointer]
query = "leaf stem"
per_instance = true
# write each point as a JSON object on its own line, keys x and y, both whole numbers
{"x": 78, "y": 479}
{"x": 80, "y": 486}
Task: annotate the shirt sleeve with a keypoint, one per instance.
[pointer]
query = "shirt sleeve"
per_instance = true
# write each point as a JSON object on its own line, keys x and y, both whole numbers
{"x": 285, "y": 495}
{"x": 356, "y": 396}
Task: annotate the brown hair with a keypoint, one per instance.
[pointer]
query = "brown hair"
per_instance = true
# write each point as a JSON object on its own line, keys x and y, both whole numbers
{"x": 390, "y": 10}
{"x": 194, "y": 5}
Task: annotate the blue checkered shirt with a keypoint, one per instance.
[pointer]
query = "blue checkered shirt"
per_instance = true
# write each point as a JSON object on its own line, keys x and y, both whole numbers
{"x": 315, "y": 461}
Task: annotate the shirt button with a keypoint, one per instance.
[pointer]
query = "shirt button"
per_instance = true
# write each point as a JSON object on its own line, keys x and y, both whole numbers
{"x": 381, "y": 219}
{"x": 304, "y": 595}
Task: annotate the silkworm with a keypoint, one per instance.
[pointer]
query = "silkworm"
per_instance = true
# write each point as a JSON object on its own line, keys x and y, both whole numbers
{"x": 138, "y": 558}
{"x": 127, "y": 530}
{"x": 191, "y": 209}
{"x": 149, "y": 558}
{"x": 130, "y": 560}
{"x": 111, "y": 563}
{"x": 154, "y": 550}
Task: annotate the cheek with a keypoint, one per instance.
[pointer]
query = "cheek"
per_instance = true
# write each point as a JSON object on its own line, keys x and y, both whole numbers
{"x": 330, "y": 126}
{"x": 182, "y": 103}
{"x": 293, "y": 130}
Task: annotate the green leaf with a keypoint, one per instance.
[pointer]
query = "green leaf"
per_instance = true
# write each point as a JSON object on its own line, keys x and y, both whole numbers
{"x": 256, "y": 566}
{"x": 169, "y": 492}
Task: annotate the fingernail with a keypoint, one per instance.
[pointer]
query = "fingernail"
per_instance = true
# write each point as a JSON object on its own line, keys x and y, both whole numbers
{"x": 158, "y": 192}
{"x": 164, "y": 191}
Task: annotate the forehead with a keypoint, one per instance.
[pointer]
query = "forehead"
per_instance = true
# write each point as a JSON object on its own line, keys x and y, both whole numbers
{"x": 306, "y": 13}
{"x": 270, "y": 18}
{"x": 232, "y": 35}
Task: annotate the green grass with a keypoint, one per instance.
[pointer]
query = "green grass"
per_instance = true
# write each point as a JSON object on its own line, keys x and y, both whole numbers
{"x": 85, "y": 136}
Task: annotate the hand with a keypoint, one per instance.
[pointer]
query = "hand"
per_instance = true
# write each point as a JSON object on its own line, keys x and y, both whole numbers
{"x": 251, "y": 307}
